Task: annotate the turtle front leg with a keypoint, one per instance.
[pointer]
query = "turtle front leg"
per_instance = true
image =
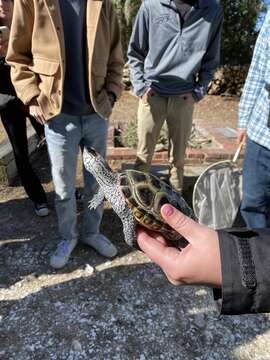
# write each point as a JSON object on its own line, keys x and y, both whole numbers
{"x": 129, "y": 229}
{"x": 96, "y": 200}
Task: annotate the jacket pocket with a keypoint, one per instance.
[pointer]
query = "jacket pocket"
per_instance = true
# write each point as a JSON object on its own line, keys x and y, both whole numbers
{"x": 99, "y": 72}
{"x": 46, "y": 71}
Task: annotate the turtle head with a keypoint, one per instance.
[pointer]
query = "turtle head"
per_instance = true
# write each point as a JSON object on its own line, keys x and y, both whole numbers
{"x": 92, "y": 153}
{"x": 98, "y": 166}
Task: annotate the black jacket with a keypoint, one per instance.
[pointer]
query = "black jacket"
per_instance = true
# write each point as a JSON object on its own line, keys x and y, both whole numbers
{"x": 245, "y": 262}
{"x": 7, "y": 91}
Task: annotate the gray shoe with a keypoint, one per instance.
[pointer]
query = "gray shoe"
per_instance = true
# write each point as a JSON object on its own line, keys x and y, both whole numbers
{"x": 41, "y": 209}
{"x": 101, "y": 244}
{"x": 61, "y": 255}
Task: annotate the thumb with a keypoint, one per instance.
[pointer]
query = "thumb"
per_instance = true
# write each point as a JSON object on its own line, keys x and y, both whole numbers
{"x": 184, "y": 225}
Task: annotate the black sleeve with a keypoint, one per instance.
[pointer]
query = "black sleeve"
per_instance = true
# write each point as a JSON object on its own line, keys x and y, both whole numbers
{"x": 7, "y": 91}
{"x": 245, "y": 262}
{"x": 6, "y": 86}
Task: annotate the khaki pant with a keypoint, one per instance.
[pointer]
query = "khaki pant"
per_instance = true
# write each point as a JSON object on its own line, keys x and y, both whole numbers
{"x": 151, "y": 115}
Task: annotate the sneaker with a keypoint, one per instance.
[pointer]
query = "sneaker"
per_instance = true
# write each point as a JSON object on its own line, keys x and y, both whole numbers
{"x": 41, "y": 209}
{"x": 61, "y": 255}
{"x": 101, "y": 244}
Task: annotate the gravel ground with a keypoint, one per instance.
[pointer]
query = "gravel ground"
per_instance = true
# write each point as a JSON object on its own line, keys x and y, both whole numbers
{"x": 97, "y": 309}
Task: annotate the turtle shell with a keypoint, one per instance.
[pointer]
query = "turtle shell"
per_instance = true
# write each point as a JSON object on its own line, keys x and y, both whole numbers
{"x": 145, "y": 194}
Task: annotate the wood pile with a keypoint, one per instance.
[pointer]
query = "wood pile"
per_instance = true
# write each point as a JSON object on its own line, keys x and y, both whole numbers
{"x": 126, "y": 78}
{"x": 228, "y": 81}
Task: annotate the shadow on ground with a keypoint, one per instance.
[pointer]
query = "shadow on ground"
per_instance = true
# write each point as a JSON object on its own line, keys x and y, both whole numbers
{"x": 26, "y": 241}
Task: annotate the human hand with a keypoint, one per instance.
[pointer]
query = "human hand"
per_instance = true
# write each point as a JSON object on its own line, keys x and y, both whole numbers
{"x": 188, "y": 97}
{"x": 241, "y": 136}
{"x": 147, "y": 95}
{"x": 198, "y": 263}
{"x": 36, "y": 112}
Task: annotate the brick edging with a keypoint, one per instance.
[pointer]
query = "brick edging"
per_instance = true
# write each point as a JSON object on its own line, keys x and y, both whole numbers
{"x": 224, "y": 150}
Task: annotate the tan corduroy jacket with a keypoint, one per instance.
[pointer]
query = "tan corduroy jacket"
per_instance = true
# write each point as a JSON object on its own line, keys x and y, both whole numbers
{"x": 36, "y": 54}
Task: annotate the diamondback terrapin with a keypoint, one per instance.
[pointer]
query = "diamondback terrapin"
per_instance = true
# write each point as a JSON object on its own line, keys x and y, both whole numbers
{"x": 136, "y": 197}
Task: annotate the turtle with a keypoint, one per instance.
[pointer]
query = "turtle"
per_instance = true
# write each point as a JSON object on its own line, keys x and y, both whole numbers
{"x": 136, "y": 197}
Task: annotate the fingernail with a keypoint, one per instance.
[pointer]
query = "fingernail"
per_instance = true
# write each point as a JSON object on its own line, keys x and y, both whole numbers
{"x": 167, "y": 210}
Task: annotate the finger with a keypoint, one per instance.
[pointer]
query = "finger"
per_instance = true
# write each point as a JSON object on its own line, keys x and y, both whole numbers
{"x": 151, "y": 234}
{"x": 161, "y": 254}
{"x": 144, "y": 241}
{"x": 185, "y": 226}
{"x": 154, "y": 235}
{"x": 41, "y": 117}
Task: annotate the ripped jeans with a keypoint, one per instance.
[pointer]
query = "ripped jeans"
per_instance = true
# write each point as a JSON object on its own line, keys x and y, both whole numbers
{"x": 65, "y": 135}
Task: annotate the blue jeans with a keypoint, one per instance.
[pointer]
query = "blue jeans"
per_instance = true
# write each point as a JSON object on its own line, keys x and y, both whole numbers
{"x": 255, "y": 204}
{"x": 65, "y": 134}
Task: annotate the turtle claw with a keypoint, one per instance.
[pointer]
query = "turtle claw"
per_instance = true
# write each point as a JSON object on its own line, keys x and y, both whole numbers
{"x": 96, "y": 200}
{"x": 92, "y": 205}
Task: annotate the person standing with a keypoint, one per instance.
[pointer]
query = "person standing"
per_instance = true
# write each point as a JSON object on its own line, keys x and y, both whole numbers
{"x": 13, "y": 116}
{"x": 67, "y": 64}
{"x": 173, "y": 52}
{"x": 254, "y": 129}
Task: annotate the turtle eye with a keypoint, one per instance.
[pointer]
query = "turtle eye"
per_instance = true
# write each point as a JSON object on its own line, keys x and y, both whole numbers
{"x": 92, "y": 151}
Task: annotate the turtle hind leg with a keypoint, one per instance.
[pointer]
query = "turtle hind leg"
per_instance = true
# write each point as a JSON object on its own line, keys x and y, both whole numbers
{"x": 129, "y": 229}
{"x": 96, "y": 200}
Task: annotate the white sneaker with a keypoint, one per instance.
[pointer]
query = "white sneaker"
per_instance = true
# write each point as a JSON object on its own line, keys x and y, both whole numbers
{"x": 101, "y": 244}
{"x": 61, "y": 255}
{"x": 41, "y": 209}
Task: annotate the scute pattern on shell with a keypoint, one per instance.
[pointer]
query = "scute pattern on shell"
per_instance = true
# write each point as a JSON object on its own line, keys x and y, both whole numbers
{"x": 145, "y": 194}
